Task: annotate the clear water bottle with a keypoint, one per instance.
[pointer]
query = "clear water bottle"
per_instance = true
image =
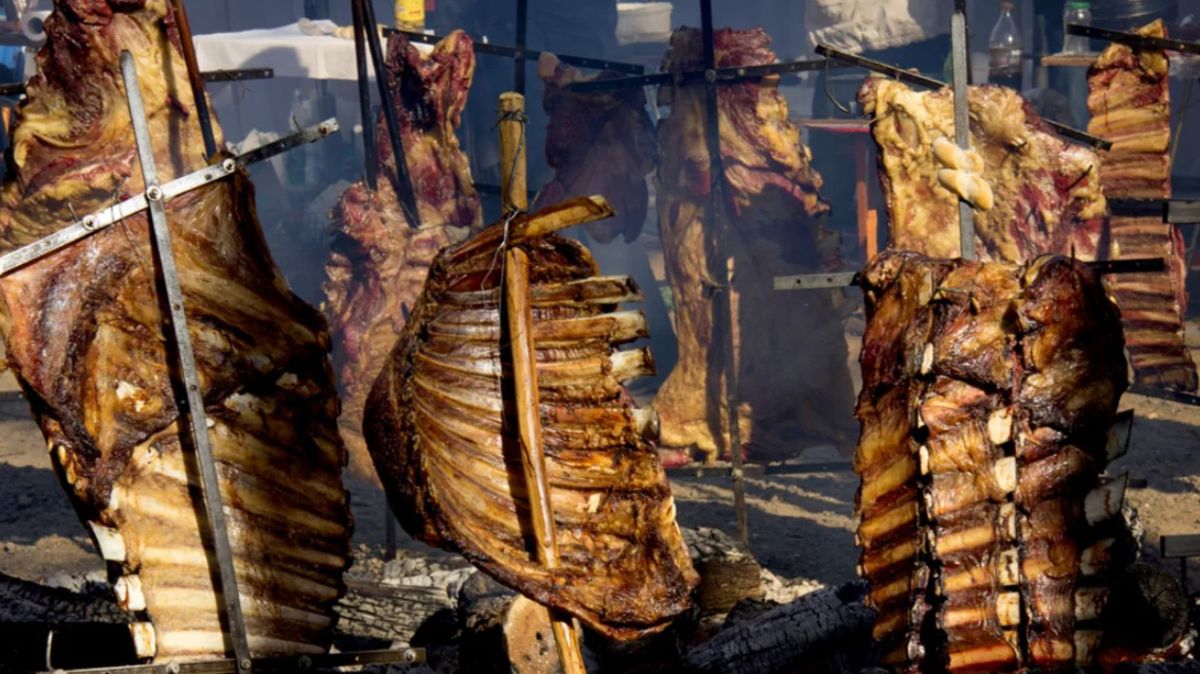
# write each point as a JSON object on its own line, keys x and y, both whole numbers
{"x": 1078, "y": 13}
{"x": 1004, "y": 49}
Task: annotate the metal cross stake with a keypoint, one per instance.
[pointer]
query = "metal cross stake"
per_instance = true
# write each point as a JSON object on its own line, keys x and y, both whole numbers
{"x": 186, "y": 360}
{"x": 719, "y": 255}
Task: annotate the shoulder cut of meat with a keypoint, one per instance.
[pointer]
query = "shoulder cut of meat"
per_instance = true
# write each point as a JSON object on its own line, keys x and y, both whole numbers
{"x": 85, "y": 336}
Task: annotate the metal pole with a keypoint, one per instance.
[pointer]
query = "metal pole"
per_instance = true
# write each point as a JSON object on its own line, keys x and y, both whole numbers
{"x": 962, "y": 118}
{"x": 519, "y": 57}
{"x": 404, "y": 188}
{"x": 193, "y": 409}
{"x": 370, "y": 156}
{"x": 198, "y": 91}
{"x": 722, "y": 234}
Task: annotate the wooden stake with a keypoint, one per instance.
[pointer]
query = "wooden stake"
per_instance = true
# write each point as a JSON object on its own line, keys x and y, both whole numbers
{"x": 513, "y": 193}
{"x": 519, "y": 318}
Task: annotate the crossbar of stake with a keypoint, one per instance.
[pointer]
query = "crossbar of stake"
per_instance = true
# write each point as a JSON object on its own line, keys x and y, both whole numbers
{"x": 106, "y": 217}
{"x": 847, "y": 279}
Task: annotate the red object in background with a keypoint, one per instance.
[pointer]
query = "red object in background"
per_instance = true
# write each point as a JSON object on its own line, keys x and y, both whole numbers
{"x": 430, "y": 5}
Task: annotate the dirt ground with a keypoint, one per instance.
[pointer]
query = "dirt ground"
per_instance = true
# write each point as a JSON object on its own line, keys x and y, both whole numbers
{"x": 801, "y": 526}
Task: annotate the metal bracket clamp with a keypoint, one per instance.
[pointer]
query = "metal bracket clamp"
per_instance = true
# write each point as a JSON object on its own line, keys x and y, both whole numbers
{"x": 108, "y": 216}
{"x": 1172, "y": 211}
{"x": 193, "y": 411}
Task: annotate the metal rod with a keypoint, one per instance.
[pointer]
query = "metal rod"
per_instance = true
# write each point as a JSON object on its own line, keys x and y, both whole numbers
{"x": 198, "y": 91}
{"x": 105, "y": 217}
{"x": 404, "y": 187}
{"x": 237, "y": 75}
{"x": 849, "y": 278}
{"x": 1133, "y": 40}
{"x": 922, "y": 80}
{"x": 962, "y": 120}
{"x": 290, "y": 663}
{"x": 209, "y": 76}
{"x": 506, "y": 51}
{"x": 519, "y": 56}
{"x": 730, "y": 75}
{"x": 370, "y": 155}
{"x": 719, "y": 254}
{"x": 193, "y": 409}
{"x": 1173, "y": 211}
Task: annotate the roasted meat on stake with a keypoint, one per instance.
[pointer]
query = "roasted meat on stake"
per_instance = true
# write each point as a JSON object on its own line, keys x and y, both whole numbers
{"x": 85, "y": 336}
{"x": 597, "y": 143}
{"x": 988, "y": 394}
{"x": 777, "y": 216}
{"x": 1129, "y": 98}
{"x": 439, "y": 427}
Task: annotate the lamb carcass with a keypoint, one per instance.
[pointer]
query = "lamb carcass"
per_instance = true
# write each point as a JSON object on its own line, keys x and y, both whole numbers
{"x": 378, "y": 261}
{"x": 85, "y": 336}
{"x": 771, "y": 196}
{"x": 989, "y": 390}
{"x": 597, "y": 143}
{"x": 1129, "y": 98}
{"x": 440, "y": 429}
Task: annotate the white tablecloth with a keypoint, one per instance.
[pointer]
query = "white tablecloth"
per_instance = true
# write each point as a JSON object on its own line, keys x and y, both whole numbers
{"x": 289, "y": 50}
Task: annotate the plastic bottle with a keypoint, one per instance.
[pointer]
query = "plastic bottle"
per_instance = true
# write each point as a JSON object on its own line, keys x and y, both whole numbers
{"x": 1004, "y": 47}
{"x": 410, "y": 15}
{"x": 1077, "y": 12}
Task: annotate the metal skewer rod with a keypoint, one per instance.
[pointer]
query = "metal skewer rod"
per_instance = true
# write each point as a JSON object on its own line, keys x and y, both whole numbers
{"x": 925, "y": 81}
{"x": 1134, "y": 40}
{"x": 493, "y": 49}
{"x": 519, "y": 55}
{"x": 192, "y": 412}
{"x": 721, "y": 266}
{"x": 962, "y": 119}
{"x": 1137, "y": 265}
{"x": 724, "y": 75}
{"x": 370, "y": 154}
{"x": 518, "y": 311}
{"x": 198, "y": 91}
{"x": 404, "y": 186}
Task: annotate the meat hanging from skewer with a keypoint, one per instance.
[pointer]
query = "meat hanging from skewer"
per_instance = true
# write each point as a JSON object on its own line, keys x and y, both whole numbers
{"x": 85, "y": 335}
{"x": 1034, "y": 193}
{"x": 1129, "y": 99}
{"x": 378, "y": 262}
{"x": 439, "y": 429}
{"x": 597, "y": 143}
{"x": 988, "y": 393}
{"x": 777, "y": 217}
